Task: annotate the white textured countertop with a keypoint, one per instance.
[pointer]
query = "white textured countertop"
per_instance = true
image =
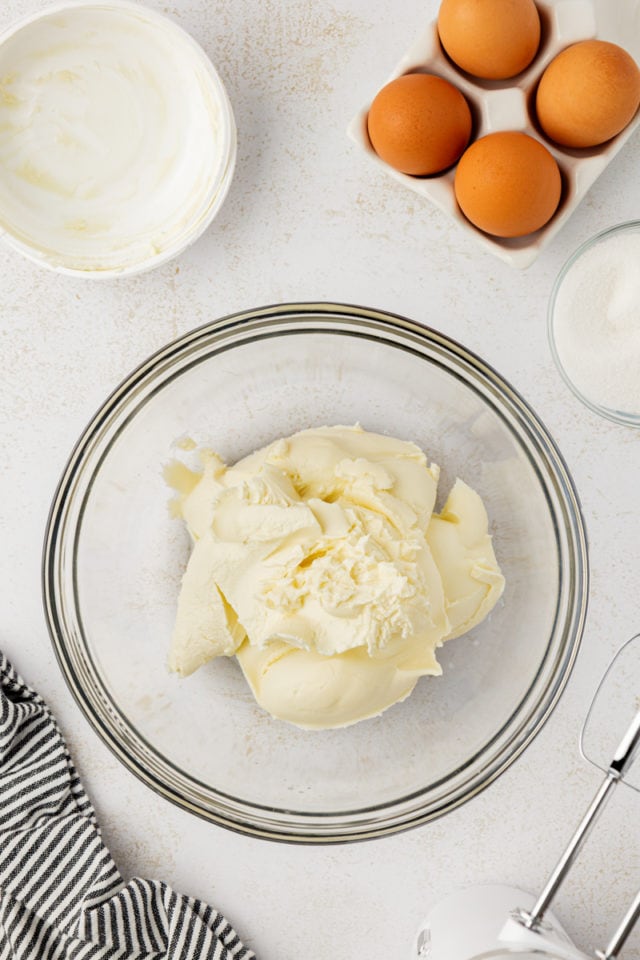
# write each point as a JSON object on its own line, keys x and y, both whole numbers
{"x": 309, "y": 218}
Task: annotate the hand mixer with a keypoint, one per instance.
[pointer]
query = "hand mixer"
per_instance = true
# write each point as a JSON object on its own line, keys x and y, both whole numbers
{"x": 497, "y": 922}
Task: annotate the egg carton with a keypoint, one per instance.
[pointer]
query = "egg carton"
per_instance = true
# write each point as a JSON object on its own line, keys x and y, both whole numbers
{"x": 509, "y": 105}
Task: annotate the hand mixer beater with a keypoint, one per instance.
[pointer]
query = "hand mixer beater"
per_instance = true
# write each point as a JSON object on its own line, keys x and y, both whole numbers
{"x": 497, "y": 922}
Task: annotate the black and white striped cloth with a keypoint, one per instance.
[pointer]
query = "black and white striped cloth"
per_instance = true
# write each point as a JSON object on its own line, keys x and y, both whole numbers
{"x": 61, "y": 896}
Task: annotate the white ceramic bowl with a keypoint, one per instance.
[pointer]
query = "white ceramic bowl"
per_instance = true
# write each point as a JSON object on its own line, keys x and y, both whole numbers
{"x": 507, "y": 105}
{"x": 117, "y": 138}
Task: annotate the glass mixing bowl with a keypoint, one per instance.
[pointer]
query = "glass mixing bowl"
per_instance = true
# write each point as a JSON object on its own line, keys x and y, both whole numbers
{"x": 114, "y": 557}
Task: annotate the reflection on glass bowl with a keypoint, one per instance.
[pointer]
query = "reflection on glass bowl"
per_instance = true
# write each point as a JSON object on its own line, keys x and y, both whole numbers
{"x": 114, "y": 558}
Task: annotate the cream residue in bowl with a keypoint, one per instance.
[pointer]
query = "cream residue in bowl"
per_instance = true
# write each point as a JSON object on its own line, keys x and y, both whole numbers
{"x": 320, "y": 563}
{"x": 115, "y": 135}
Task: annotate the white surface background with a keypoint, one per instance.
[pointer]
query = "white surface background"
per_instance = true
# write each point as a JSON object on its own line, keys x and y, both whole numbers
{"x": 308, "y": 217}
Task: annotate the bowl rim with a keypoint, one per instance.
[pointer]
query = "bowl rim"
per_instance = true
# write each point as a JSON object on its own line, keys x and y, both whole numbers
{"x": 615, "y": 416}
{"x": 216, "y": 192}
{"x": 365, "y": 822}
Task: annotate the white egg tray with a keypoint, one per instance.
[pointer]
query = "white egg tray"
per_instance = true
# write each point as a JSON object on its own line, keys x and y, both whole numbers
{"x": 509, "y": 105}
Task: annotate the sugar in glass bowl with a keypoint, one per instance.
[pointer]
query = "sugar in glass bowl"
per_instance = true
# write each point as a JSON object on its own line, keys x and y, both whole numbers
{"x": 593, "y": 325}
{"x": 114, "y": 557}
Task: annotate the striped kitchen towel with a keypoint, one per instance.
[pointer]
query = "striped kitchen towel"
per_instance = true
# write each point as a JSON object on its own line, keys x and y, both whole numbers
{"x": 61, "y": 896}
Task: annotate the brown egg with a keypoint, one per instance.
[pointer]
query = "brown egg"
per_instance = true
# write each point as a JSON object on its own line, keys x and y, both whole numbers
{"x": 588, "y": 94}
{"x": 419, "y": 124}
{"x": 508, "y": 184}
{"x": 492, "y": 39}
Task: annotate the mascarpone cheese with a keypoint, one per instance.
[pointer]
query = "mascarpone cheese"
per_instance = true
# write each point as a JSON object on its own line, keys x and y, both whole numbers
{"x": 320, "y": 563}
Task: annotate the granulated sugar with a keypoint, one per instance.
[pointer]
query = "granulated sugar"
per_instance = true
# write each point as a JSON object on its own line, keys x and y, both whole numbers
{"x": 597, "y": 323}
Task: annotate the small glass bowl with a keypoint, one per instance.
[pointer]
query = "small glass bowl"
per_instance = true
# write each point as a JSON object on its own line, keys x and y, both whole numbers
{"x": 625, "y": 417}
{"x": 114, "y": 558}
